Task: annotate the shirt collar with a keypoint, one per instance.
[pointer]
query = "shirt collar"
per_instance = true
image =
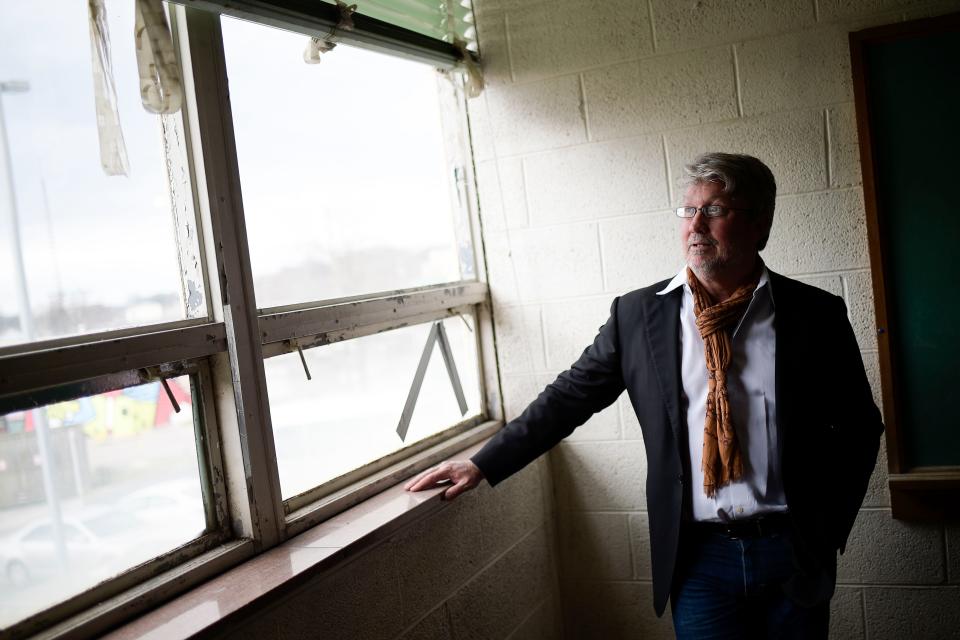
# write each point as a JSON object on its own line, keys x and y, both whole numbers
{"x": 680, "y": 280}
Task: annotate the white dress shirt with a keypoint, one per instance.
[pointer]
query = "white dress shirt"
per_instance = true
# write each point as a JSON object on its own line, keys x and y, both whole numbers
{"x": 753, "y": 407}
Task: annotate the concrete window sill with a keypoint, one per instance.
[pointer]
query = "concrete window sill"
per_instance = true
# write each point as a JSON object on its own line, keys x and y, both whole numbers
{"x": 215, "y": 604}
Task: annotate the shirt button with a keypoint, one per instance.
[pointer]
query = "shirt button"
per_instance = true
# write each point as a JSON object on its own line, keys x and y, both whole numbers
{"x": 680, "y": 478}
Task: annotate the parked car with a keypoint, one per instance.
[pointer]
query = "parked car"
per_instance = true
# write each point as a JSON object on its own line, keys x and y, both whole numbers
{"x": 97, "y": 543}
{"x": 173, "y": 509}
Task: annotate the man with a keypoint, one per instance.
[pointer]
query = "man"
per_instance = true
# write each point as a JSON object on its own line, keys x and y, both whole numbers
{"x": 758, "y": 422}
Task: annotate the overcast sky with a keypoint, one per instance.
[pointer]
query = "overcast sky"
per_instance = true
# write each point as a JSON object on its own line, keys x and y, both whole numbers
{"x": 344, "y": 153}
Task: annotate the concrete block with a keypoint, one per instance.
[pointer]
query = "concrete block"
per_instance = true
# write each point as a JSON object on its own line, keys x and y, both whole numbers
{"x": 542, "y": 624}
{"x": 536, "y": 116}
{"x": 521, "y": 390}
{"x": 832, "y": 284}
{"x": 931, "y": 9}
{"x": 481, "y": 130}
{"x": 690, "y": 25}
{"x": 594, "y": 180}
{"x": 871, "y": 364}
{"x": 860, "y": 308}
{"x": 513, "y": 191}
{"x": 438, "y": 554}
{"x": 794, "y": 70}
{"x": 502, "y": 277}
{"x": 894, "y": 613}
{"x": 846, "y": 614}
{"x": 558, "y": 37}
{"x": 953, "y": 553}
{"x": 494, "y": 46}
{"x": 496, "y": 601}
{"x": 615, "y": 611}
{"x": 489, "y": 195}
{"x": 557, "y": 262}
{"x": 595, "y": 546}
{"x": 640, "y": 546}
{"x": 837, "y": 9}
{"x": 844, "y": 146}
{"x": 510, "y": 510}
{"x": 570, "y": 327}
{"x": 878, "y": 491}
{"x": 824, "y": 231}
{"x": 912, "y": 553}
{"x": 361, "y": 600}
{"x": 602, "y": 426}
{"x": 791, "y": 144}
{"x": 628, "y": 419}
{"x": 656, "y": 94}
{"x": 600, "y": 476}
{"x": 519, "y": 339}
{"x": 259, "y": 626}
{"x": 640, "y": 250}
{"x": 435, "y": 626}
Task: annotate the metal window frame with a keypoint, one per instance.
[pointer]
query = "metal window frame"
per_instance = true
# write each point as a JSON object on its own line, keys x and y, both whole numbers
{"x": 95, "y": 608}
{"x": 313, "y": 18}
{"x": 233, "y": 340}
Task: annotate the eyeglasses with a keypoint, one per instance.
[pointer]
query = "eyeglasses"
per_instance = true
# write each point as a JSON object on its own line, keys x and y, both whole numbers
{"x": 710, "y": 211}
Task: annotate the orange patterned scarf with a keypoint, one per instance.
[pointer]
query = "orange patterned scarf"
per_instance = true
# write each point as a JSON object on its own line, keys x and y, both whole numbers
{"x": 722, "y": 460}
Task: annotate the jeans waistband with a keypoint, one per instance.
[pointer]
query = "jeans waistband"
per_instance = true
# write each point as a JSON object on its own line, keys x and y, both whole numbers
{"x": 758, "y": 527}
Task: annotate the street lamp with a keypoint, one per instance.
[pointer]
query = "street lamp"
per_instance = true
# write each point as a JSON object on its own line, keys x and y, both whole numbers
{"x": 6, "y": 182}
{"x": 26, "y": 320}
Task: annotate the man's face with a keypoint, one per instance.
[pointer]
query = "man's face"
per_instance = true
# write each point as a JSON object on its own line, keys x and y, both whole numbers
{"x": 714, "y": 247}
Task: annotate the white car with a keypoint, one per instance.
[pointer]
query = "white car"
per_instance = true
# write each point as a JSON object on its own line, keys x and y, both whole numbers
{"x": 97, "y": 543}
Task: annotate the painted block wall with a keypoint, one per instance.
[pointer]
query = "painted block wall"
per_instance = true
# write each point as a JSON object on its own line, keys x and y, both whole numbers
{"x": 483, "y": 567}
{"x": 590, "y": 112}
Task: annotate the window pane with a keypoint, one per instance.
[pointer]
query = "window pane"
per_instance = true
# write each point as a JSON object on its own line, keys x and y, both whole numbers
{"x": 347, "y": 415}
{"x": 98, "y": 252}
{"x": 123, "y": 488}
{"x": 347, "y": 187}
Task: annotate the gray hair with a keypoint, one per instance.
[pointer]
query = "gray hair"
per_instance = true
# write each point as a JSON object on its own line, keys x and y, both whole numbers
{"x": 742, "y": 176}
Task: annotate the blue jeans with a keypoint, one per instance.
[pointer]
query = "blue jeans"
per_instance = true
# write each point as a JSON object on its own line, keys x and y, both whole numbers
{"x": 731, "y": 588}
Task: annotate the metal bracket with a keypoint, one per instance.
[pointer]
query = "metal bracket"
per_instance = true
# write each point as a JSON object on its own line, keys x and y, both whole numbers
{"x": 437, "y": 335}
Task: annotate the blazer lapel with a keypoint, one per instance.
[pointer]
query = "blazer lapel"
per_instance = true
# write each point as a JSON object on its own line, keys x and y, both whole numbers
{"x": 663, "y": 338}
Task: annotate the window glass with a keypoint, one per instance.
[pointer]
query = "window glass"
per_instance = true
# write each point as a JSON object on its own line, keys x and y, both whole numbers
{"x": 347, "y": 188}
{"x": 108, "y": 455}
{"x": 96, "y": 252}
{"x": 348, "y": 414}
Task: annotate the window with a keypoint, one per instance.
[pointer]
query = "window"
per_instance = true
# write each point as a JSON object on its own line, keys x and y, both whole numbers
{"x": 277, "y": 308}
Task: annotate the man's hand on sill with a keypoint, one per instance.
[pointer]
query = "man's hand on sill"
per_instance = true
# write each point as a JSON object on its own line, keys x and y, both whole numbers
{"x": 462, "y": 473}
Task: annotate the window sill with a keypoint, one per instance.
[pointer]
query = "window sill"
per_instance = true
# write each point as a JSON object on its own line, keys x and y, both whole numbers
{"x": 270, "y": 575}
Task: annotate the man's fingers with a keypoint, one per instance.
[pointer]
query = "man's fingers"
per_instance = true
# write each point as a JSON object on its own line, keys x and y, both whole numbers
{"x": 428, "y": 479}
{"x": 457, "y": 489}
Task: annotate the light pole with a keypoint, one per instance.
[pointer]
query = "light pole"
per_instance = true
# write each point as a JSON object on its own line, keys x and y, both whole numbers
{"x": 26, "y": 320}
{"x": 23, "y": 296}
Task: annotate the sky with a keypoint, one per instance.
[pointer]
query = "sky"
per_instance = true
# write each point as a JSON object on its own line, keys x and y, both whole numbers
{"x": 345, "y": 153}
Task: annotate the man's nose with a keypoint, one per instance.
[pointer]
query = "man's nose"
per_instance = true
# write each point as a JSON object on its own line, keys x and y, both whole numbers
{"x": 699, "y": 222}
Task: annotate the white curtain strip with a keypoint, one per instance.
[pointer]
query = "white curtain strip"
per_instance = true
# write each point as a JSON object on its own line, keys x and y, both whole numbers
{"x": 472, "y": 74}
{"x": 113, "y": 151}
{"x": 316, "y": 47}
{"x": 160, "y": 88}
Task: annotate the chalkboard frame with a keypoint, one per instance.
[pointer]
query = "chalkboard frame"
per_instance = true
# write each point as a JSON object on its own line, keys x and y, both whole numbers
{"x": 916, "y": 493}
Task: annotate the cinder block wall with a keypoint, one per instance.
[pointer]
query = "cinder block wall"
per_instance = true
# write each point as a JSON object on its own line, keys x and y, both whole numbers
{"x": 482, "y": 567}
{"x": 590, "y": 111}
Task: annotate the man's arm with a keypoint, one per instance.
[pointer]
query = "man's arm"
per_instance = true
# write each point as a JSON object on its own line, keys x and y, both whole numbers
{"x": 857, "y": 424}
{"x": 593, "y": 382}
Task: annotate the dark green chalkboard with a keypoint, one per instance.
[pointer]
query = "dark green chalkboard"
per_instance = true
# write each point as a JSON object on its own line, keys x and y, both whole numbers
{"x": 913, "y": 96}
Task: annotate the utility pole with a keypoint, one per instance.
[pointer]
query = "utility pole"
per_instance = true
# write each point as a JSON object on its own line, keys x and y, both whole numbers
{"x": 26, "y": 319}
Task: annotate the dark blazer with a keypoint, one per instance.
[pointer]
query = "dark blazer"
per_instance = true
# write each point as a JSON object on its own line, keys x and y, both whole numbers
{"x": 829, "y": 426}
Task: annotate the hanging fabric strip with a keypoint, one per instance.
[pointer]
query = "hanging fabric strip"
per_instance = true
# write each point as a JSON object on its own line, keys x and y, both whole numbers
{"x": 113, "y": 151}
{"x": 472, "y": 75}
{"x": 160, "y": 87}
{"x": 316, "y": 47}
